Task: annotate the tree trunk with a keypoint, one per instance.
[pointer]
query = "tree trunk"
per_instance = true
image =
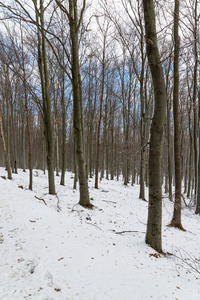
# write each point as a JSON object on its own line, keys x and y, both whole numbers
{"x": 47, "y": 111}
{"x": 127, "y": 131}
{"x": 169, "y": 165}
{"x": 176, "y": 220}
{"x": 62, "y": 179}
{"x": 154, "y": 224}
{"x": 57, "y": 150}
{"x": 8, "y": 167}
{"x": 27, "y": 119}
{"x": 142, "y": 125}
{"x": 74, "y": 24}
{"x": 44, "y": 77}
{"x": 100, "y": 117}
{"x": 194, "y": 100}
{"x": 23, "y": 145}
{"x": 197, "y": 211}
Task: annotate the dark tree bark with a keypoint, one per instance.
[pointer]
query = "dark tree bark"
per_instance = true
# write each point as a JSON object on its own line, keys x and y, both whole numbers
{"x": 8, "y": 150}
{"x": 176, "y": 220}
{"x": 8, "y": 167}
{"x": 44, "y": 77}
{"x": 27, "y": 116}
{"x": 63, "y": 156}
{"x": 100, "y": 113}
{"x": 195, "y": 107}
{"x": 142, "y": 122}
{"x": 74, "y": 24}
{"x": 168, "y": 125}
{"x": 197, "y": 167}
{"x": 153, "y": 234}
{"x": 197, "y": 210}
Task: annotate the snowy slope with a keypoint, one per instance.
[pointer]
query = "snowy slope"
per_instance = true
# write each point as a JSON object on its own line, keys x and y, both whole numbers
{"x": 76, "y": 253}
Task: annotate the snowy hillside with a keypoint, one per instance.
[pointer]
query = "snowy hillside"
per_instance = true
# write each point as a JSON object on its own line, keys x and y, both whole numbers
{"x": 56, "y": 249}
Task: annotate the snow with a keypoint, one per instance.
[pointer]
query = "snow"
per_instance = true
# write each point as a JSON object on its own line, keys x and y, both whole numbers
{"x": 76, "y": 253}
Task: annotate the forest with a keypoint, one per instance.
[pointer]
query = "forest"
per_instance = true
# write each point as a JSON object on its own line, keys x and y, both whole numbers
{"x": 99, "y": 149}
{"x": 104, "y": 89}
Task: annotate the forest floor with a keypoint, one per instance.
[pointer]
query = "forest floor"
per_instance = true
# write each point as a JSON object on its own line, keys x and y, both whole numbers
{"x": 51, "y": 250}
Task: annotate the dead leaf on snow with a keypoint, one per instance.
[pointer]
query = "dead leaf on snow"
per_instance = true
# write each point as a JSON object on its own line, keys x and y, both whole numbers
{"x": 156, "y": 255}
{"x": 60, "y": 258}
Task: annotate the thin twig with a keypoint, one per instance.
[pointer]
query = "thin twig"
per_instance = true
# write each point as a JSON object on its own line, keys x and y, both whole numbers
{"x": 58, "y": 206}
{"x": 41, "y": 200}
{"x": 73, "y": 207}
{"x": 109, "y": 201}
{"x": 188, "y": 264}
{"x": 194, "y": 265}
{"x": 125, "y": 231}
{"x": 93, "y": 225}
{"x": 78, "y": 211}
{"x": 141, "y": 148}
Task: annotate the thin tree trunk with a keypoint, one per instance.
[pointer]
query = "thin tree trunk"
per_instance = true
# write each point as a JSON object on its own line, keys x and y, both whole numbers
{"x": 194, "y": 101}
{"x": 42, "y": 65}
{"x": 169, "y": 133}
{"x": 176, "y": 220}
{"x": 57, "y": 150}
{"x": 112, "y": 163}
{"x": 8, "y": 167}
{"x": 197, "y": 210}
{"x": 104, "y": 135}
{"x": 100, "y": 115}
{"x": 127, "y": 141}
{"x": 75, "y": 169}
{"x": 23, "y": 145}
{"x": 43, "y": 69}
{"x": 62, "y": 179}
{"x": 27, "y": 118}
{"x": 142, "y": 125}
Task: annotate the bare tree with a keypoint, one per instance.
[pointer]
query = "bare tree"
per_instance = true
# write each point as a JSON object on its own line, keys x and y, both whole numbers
{"x": 74, "y": 25}
{"x": 4, "y": 147}
{"x": 176, "y": 220}
{"x": 104, "y": 32}
{"x": 153, "y": 234}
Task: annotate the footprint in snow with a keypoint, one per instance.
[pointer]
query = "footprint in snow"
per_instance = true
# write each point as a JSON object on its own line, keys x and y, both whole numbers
{"x": 18, "y": 246}
{"x": 49, "y": 279}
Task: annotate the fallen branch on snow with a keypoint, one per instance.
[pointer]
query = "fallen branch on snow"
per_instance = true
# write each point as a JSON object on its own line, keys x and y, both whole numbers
{"x": 109, "y": 201}
{"x": 125, "y": 231}
{"x": 41, "y": 199}
{"x": 72, "y": 210}
{"x": 58, "y": 206}
{"x": 193, "y": 263}
{"x": 93, "y": 225}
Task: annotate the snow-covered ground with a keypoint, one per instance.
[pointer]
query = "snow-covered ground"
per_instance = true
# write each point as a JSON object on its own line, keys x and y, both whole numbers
{"x": 76, "y": 253}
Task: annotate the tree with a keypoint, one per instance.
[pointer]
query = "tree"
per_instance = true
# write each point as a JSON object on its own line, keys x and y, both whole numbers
{"x": 44, "y": 77}
{"x": 168, "y": 125}
{"x": 195, "y": 107}
{"x": 104, "y": 32}
{"x": 197, "y": 210}
{"x": 74, "y": 25}
{"x": 176, "y": 220}
{"x": 153, "y": 234}
{"x": 27, "y": 112}
{"x": 4, "y": 147}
